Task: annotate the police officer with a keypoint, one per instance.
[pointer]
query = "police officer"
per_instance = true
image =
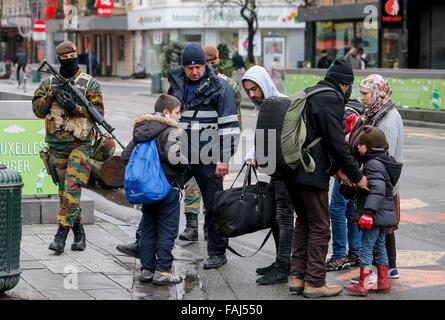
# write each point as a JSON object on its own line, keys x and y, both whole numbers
{"x": 209, "y": 118}
{"x": 70, "y": 135}
{"x": 192, "y": 194}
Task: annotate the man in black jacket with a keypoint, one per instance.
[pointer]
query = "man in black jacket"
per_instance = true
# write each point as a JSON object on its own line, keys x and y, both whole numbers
{"x": 309, "y": 191}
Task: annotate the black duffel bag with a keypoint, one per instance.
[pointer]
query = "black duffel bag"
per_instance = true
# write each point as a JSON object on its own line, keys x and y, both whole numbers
{"x": 247, "y": 209}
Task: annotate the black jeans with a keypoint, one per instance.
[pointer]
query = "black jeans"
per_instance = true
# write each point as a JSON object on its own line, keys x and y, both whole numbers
{"x": 283, "y": 226}
{"x": 20, "y": 67}
{"x": 209, "y": 183}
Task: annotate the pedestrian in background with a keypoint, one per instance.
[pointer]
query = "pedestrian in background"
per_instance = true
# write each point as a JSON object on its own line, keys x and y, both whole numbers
{"x": 324, "y": 62}
{"x": 278, "y": 74}
{"x": 20, "y": 61}
{"x": 353, "y": 56}
{"x": 239, "y": 67}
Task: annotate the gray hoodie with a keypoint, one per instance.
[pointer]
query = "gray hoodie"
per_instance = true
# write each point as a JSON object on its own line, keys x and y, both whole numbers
{"x": 261, "y": 77}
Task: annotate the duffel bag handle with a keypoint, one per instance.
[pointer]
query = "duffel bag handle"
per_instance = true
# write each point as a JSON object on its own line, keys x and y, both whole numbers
{"x": 262, "y": 245}
{"x": 239, "y": 173}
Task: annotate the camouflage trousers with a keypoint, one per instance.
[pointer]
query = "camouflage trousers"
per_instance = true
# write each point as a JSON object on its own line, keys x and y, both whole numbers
{"x": 72, "y": 163}
{"x": 192, "y": 197}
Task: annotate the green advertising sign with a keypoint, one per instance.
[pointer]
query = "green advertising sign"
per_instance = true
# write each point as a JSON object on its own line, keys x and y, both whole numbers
{"x": 20, "y": 143}
{"x": 412, "y": 93}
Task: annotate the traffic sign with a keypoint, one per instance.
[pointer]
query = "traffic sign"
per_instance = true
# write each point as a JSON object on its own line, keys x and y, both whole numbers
{"x": 39, "y": 26}
{"x": 38, "y": 36}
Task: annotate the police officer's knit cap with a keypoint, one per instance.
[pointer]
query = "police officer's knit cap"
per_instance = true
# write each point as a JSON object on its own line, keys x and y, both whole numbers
{"x": 65, "y": 47}
{"x": 373, "y": 138}
{"x": 341, "y": 71}
{"x": 193, "y": 54}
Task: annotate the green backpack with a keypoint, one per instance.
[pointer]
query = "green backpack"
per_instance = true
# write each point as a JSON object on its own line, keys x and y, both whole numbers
{"x": 286, "y": 115}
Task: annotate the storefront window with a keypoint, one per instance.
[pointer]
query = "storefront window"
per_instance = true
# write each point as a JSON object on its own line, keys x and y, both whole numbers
{"x": 368, "y": 40}
{"x": 336, "y": 38}
{"x": 339, "y": 37}
{"x": 390, "y": 48}
{"x": 332, "y": 2}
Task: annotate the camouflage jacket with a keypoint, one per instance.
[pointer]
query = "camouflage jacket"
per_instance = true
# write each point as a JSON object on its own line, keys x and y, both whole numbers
{"x": 43, "y": 100}
{"x": 236, "y": 87}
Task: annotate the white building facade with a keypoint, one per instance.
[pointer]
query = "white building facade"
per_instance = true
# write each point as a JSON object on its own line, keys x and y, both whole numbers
{"x": 157, "y": 22}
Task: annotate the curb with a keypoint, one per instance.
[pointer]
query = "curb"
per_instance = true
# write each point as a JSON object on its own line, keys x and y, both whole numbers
{"x": 128, "y": 215}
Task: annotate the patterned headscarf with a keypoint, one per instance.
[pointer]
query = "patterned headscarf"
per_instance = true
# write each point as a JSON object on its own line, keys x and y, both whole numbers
{"x": 380, "y": 95}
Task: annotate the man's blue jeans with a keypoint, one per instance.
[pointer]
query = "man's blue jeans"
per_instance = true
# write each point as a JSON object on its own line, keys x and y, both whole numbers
{"x": 373, "y": 247}
{"x": 342, "y": 210}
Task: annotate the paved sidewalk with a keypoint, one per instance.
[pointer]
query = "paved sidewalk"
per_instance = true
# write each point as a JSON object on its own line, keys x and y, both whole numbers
{"x": 100, "y": 272}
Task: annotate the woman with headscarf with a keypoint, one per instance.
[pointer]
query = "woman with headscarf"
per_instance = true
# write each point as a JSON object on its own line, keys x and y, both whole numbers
{"x": 381, "y": 112}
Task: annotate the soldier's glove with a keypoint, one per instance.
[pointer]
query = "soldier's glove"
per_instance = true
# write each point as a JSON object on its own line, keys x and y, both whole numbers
{"x": 365, "y": 222}
{"x": 65, "y": 100}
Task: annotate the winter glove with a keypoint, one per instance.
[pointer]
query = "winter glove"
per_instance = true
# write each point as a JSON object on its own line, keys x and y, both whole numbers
{"x": 64, "y": 99}
{"x": 365, "y": 222}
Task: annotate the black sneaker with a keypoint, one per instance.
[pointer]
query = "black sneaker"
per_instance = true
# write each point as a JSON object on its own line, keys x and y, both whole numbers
{"x": 275, "y": 276}
{"x": 131, "y": 250}
{"x": 214, "y": 262}
{"x": 335, "y": 264}
{"x": 265, "y": 270}
{"x": 353, "y": 259}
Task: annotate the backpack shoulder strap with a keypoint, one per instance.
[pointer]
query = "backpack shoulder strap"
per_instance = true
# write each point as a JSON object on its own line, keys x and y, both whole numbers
{"x": 319, "y": 90}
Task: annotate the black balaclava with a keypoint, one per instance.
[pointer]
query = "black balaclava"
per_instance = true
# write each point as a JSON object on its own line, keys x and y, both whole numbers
{"x": 68, "y": 67}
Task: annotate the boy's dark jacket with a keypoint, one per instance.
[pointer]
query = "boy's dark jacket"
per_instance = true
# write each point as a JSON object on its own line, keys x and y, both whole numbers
{"x": 168, "y": 139}
{"x": 382, "y": 172}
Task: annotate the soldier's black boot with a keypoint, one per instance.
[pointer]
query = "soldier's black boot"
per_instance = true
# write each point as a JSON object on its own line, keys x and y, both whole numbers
{"x": 191, "y": 228}
{"x": 58, "y": 245}
{"x": 79, "y": 243}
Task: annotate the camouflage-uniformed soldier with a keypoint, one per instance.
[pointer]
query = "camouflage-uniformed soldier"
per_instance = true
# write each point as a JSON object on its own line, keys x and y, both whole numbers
{"x": 192, "y": 197}
{"x": 69, "y": 134}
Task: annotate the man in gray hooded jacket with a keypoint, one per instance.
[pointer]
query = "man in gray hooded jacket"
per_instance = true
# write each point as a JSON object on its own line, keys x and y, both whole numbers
{"x": 259, "y": 86}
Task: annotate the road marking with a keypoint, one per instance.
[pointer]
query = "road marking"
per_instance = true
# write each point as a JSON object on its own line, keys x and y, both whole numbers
{"x": 417, "y": 258}
{"x": 408, "y": 204}
{"x": 422, "y": 218}
{"x": 414, "y": 133}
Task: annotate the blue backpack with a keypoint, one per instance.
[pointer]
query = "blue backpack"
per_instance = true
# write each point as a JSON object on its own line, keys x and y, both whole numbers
{"x": 145, "y": 181}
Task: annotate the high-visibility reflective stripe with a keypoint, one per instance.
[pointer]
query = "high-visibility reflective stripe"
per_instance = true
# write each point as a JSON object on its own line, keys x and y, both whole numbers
{"x": 201, "y": 114}
{"x": 229, "y": 131}
{"x": 228, "y": 119}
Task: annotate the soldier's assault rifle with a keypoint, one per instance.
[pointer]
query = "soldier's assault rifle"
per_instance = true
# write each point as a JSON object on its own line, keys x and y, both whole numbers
{"x": 69, "y": 86}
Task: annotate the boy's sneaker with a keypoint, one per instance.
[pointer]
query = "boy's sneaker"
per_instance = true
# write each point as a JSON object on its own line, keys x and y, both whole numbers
{"x": 335, "y": 264}
{"x": 393, "y": 273}
{"x": 145, "y": 275}
{"x": 372, "y": 279}
{"x": 166, "y": 278}
{"x": 353, "y": 259}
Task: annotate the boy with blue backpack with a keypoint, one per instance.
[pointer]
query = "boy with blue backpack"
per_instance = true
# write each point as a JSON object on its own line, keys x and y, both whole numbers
{"x": 160, "y": 218}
